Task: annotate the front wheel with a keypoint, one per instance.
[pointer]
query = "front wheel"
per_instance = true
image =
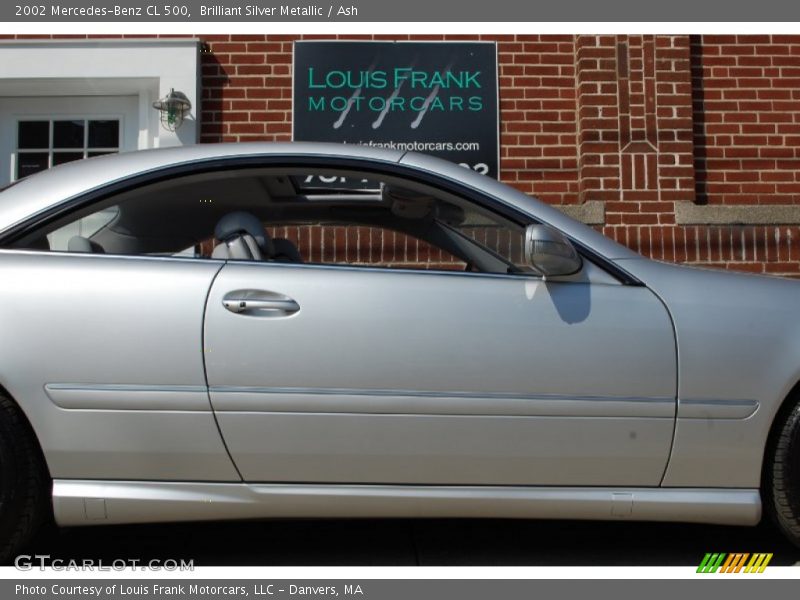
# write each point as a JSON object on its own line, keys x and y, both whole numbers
{"x": 24, "y": 482}
{"x": 783, "y": 476}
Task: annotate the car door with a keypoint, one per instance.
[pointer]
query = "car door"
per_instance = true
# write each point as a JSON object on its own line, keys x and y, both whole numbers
{"x": 399, "y": 377}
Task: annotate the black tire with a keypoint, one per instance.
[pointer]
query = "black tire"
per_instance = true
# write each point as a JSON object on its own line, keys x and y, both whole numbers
{"x": 783, "y": 476}
{"x": 24, "y": 482}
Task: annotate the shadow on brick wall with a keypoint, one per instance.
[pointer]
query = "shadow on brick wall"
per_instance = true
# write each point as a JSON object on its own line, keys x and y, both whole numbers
{"x": 214, "y": 77}
{"x": 698, "y": 117}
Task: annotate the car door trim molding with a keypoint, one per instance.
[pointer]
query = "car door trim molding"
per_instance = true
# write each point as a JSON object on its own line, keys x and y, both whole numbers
{"x": 715, "y": 408}
{"x": 428, "y": 402}
{"x": 128, "y": 397}
{"x": 386, "y": 401}
{"x": 90, "y": 502}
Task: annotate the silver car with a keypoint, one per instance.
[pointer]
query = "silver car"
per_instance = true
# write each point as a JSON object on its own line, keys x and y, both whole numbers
{"x": 255, "y": 331}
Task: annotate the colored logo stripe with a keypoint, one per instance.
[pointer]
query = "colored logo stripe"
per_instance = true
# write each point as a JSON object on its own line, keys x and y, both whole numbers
{"x": 734, "y": 563}
{"x": 758, "y": 563}
{"x": 710, "y": 563}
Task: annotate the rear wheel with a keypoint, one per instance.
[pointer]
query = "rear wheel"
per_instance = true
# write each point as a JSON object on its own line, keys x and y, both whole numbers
{"x": 783, "y": 476}
{"x": 24, "y": 483}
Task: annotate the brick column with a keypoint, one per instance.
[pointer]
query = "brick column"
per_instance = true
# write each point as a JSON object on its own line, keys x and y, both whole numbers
{"x": 635, "y": 131}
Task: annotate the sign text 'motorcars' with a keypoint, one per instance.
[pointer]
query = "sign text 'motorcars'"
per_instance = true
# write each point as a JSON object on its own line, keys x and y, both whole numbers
{"x": 440, "y": 96}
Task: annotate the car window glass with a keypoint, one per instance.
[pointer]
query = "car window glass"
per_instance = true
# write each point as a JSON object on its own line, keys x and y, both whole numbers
{"x": 505, "y": 241}
{"x": 358, "y": 245}
{"x": 85, "y": 227}
{"x": 325, "y": 217}
{"x": 348, "y": 244}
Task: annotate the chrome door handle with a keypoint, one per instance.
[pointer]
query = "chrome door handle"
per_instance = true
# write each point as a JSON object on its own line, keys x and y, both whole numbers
{"x": 241, "y": 305}
{"x": 258, "y": 301}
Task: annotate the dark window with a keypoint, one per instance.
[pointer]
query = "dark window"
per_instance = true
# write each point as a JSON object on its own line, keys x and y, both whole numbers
{"x": 59, "y": 158}
{"x": 103, "y": 134}
{"x": 33, "y": 134}
{"x": 68, "y": 134}
{"x": 43, "y": 144}
{"x": 29, "y": 163}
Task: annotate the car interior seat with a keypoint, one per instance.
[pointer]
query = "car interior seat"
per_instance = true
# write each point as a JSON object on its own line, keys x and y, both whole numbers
{"x": 242, "y": 236}
{"x": 286, "y": 251}
{"x": 78, "y": 243}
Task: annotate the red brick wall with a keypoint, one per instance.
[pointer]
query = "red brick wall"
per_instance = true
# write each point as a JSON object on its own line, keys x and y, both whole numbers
{"x": 642, "y": 124}
{"x": 747, "y": 114}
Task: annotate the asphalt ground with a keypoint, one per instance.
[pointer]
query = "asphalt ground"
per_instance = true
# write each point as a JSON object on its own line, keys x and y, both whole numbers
{"x": 440, "y": 542}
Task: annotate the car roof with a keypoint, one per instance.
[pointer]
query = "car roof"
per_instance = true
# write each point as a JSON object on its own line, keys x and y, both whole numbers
{"x": 49, "y": 188}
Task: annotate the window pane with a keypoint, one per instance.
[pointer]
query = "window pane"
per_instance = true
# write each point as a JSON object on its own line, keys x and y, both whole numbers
{"x": 68, "y": 134}
{"x": 91, "y": 154}
{"x": 103, "y": 134}
{"x": 85, "y": 227}
{"x": 59, "y": 158}
{"x": 29, "y": 163}
{"x": 359, "y": 245}
{"x": 33, "y": 134}
{"x": 503, "y": 240}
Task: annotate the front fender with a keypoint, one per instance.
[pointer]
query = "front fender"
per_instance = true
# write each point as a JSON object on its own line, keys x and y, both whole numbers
{"x": 738, "y": 340}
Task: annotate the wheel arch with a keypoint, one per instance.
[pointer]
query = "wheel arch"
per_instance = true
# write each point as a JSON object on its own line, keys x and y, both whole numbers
{"x": 787, "y": 404}
{"x": 31, "y": 430}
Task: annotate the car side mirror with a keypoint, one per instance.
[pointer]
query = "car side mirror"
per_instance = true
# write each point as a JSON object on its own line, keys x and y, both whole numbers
{"x": 550, "y": 252}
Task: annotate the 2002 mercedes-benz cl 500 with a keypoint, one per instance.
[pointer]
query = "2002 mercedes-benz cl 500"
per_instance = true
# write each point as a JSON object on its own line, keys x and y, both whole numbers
{"x": 252, "y": 331}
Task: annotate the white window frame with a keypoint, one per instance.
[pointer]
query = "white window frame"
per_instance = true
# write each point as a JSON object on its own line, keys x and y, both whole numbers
{"x": 50, "y": 118}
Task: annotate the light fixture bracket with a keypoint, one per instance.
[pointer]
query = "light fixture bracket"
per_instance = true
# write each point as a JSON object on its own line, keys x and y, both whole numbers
{"x": 173, "y": 108}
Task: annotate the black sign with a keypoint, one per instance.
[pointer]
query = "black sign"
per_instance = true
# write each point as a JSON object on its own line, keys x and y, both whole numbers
{"x": 438, "y": 98}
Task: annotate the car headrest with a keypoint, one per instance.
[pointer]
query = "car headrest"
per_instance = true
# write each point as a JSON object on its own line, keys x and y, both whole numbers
{"x": 406, "y": 203}
{"x": 241, "y": 222}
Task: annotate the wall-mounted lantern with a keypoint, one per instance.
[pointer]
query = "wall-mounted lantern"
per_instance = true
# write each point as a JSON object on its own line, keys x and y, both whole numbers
{"x": 173, "y": 108}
